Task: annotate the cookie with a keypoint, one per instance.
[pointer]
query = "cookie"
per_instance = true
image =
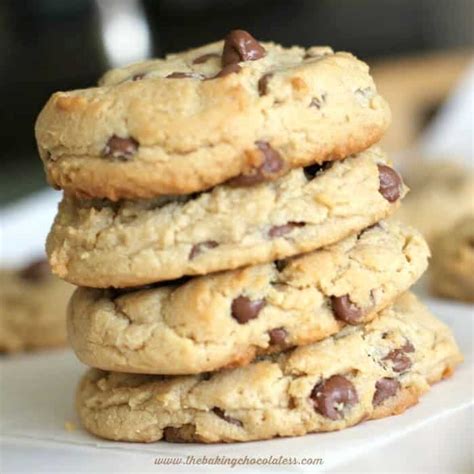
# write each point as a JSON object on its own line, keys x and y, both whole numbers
{"x": 227, "y": 319}
{"x": 416, "y": 87}
{"x": 364, "y": 372}
{"x": 101, "y": 244}
{"x": 32, "y": 308}
{"x": 441, "y": 193}
{"x": 235, "y": 110}
{"x": 452, "y": 267}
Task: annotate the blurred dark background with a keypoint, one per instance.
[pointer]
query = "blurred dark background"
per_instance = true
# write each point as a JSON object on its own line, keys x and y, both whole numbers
{"x": 49, "y": 45}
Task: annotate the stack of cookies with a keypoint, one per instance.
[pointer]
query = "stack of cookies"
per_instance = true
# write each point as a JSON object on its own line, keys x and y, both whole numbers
{"x": 223, "y": 217}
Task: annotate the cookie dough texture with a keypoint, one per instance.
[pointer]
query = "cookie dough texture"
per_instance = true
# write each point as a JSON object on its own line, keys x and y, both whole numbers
{"x": 452, "y": 268}
{"x": 197, "y": 327}
{"x": 441, "y": 194}
{"x": 32, "y": 311}
{"x": 187, "y": 134}
{"x": 131, "y": 243}
{"x": 362, "y": 373}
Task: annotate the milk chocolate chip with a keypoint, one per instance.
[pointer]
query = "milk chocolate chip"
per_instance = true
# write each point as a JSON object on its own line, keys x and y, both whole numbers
{"x": 263, "y": 83}
{"x": 390, "y": 183}
{"x": 243, "y": 309}
{"x": 345, "y": 310}
{"x": 271, "y": 165}
{"x": 120, "y": 148}
{"x": 385, "y": 388}
{"x": 36, "y": 271}
{"x": 332, "y": 395}
{"x": 278, "y": 336}
{"x": 399, "y": 358}
{"x": 226, "y": 70}
{"x": 239, "y": 45}
{"x": 201, "y": 246}
{"x": 280, "y": 230}
{"x": 221, "y": 414}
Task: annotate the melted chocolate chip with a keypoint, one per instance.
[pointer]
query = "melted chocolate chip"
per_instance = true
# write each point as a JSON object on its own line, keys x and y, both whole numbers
{"x": 385, "y": 388}
{"x": 345, "y": 310}
{"x": 263, "y": 83}
{"x": 201, "y": 246}
{"x": 120, "y": 148}
{"x": 330, "y": 394}
{"x": 400, "y": 361}
{"x": 221, "y": 414}
{"x": 278, "y": 336}
{"x": 280, "y": 230}
{"x": 239, "y": 45}
{"x": 312, "y": 170}
{"x": 271, "y": 165}
{"x": 184, "y": 75}
{"x": 390, "y": 183}
{"x": 36, "y": 271}
{"x": 204, "y": 58}
{"x": 226, "y": 70}
{"x": 243, "y": 309}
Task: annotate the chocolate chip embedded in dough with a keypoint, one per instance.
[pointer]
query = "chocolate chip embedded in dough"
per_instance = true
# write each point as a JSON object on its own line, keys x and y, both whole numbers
{"x": 398, "y": 357}
{"x": 390, "y": 183}
{"x": 278, "y": 336}
{"x": 226, "y": 70}
{"x": 221, "y": 414}
{"x": 120, "y": 148}
{"x": 332, "y": 395}
{"x": 385, "y": 388}
{"x": 281, "y": 230}
{"x": 244, "y": 309}
{"x": 263, "y": 83}
{"x": 200, "y": 247}
{"x": 205, "y": 57}
{"x": 345, "y": 310}
{"x": 270, "y": 167}
{"x": 239, "y": 45}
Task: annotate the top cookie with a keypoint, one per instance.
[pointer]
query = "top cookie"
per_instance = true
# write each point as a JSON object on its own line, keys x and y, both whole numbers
{"x": 236, "y": 110}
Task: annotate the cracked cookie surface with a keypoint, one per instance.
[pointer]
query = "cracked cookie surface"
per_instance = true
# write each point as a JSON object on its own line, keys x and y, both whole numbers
{"x": 197, "y": 119}
{"x": 228, "y": 319}
{"x": 363, "y": 372}
{"x": 102, "y": 244}
{"x": 32, "y": 308}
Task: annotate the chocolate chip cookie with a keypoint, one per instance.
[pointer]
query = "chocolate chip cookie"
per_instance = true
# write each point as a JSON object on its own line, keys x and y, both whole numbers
{"x": 236, "y": 110}
{"x": 363, "y": 372}
{"x": 452, "y": 268}
{"x": 101, "y": 244}
{"x": 441, "y": 194}
{"x": 32, "y": 308}
{"x": 229, "y": 318}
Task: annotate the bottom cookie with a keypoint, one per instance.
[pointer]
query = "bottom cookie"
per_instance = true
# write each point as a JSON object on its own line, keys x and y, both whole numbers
{"x": 362, "y": 373}
{"x": 32, "y": 308}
